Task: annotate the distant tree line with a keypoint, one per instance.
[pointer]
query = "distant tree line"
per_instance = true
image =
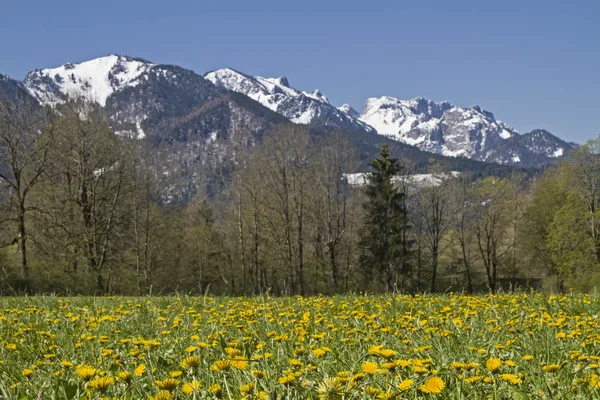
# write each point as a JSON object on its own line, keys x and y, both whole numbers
{"x": 84, "y": 211}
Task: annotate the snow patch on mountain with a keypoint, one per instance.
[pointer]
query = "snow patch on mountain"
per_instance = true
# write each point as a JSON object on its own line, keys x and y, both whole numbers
{"x": 93, "y": 80}
{"x": 414, "y": 180}
{"x": 558, "y": 153}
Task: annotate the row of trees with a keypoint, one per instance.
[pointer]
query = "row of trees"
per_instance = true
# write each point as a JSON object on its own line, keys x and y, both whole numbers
{"x": 86, "y": 211}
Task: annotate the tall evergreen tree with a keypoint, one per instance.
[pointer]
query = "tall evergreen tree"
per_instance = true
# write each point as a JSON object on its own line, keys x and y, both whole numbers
{"x": 384, "y": 239}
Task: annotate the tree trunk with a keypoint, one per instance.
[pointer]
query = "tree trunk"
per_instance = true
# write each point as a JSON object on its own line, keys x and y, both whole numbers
{"x": 463, "y": 246}
{"x": 434, "y": 267}
{"x": 22, "y": 242}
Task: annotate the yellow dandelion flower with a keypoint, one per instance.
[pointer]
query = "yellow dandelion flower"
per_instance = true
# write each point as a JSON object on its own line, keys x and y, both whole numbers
{"x": 493, "y": 364}
{"x": 406, "y": 384}
{"x": 239, "y": 362}
{"x": 474, "y": 379}
{"x": 369, "y": 367}
{"x": 27, "y": 372}
{"x": 373, "y": 391}
{"x": 258, "y": 373}
{"x": 247, "y": 389}
{"x": 221, "y": 365}
{"x": 319, "y": 352}
{"x": 299, "y": 351}
{"x": 85, "y": 372}
{"x": 162, "y": 395}
{"x": 330, "y": 389}
{"x": 434, "y": 384}
{"x": 419, "y": 369}
{"x": 125, "y": 376}
{"x": 403, "y": 363}
{"x": 140, "y": 370}
{"x": 511, "y": 378}
{"x": 387, "y": 396}
{"x": 387, "y": 353}
{"x": 358, "y": 378}
{"x": 216, "y": 389}
{"x": 101, "y": 384}
{"x": 191, "y": 387}
{"x": 168, "y": 384}
{"x": 190, "y": 362}
{"x": 287, "y": 379}
{"x": 551, "y": 368}
{"x": 374, "y": 350}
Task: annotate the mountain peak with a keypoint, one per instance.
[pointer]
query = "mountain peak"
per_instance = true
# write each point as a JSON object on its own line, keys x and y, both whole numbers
{"x": 94, "y": 80}
{"x": 317, "y": 95}
{"x": 348, "y": 110}
{"x": 283, "y": 81}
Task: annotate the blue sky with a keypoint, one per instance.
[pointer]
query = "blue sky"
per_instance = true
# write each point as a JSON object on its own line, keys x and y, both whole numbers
{"x": 534, "y": 64}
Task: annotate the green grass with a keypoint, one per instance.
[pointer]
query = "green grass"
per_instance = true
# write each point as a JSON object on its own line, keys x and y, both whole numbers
{"x": 302, "y": 348}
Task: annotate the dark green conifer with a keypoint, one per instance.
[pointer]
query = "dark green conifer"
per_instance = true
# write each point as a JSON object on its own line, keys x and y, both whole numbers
{"x": 384, "y": 239}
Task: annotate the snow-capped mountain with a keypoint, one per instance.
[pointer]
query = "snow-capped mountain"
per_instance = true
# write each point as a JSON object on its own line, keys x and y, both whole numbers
{"x": 439, "y": 128}
{"x": 199, "y": 117}
{"x": 195, "y": 126}
{"x": 276, "y": 94}
{"x": 445, "y": 129}
{"x": 95, "y": 80}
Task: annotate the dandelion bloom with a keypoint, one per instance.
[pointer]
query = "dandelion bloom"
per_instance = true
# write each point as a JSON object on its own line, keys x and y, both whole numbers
{"x": 191, "y": 387}
{"x": 493, "y": 364}
{"x": 167, "y": 384}
{"x": 387, "y": 353}
{"x": 406, "y": 384}
{"x": 551, "y": 368}
{"x": 247, "y": 389}
{"x": 259, "y": 374}
{"x": 434, "y": 384}
{"x": 125, "y": 376}
{"x": 215, "y": 389}
{"x": 319, "y": 352}
{"x": 369, "y": 367}
{"x": 221, "y": 365}
{"x": 85, "y": 372}
{"x": 287, "y": 379}
{"x": 330, "y": 388}
{"x": 239, "y": 362}
{"x": 162, "y": 395}
{"x": 140, "y": 370}
{"x": 190, "y": 362}
{"x": 101, "y": 384}
{"x": 511, "y": 378}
